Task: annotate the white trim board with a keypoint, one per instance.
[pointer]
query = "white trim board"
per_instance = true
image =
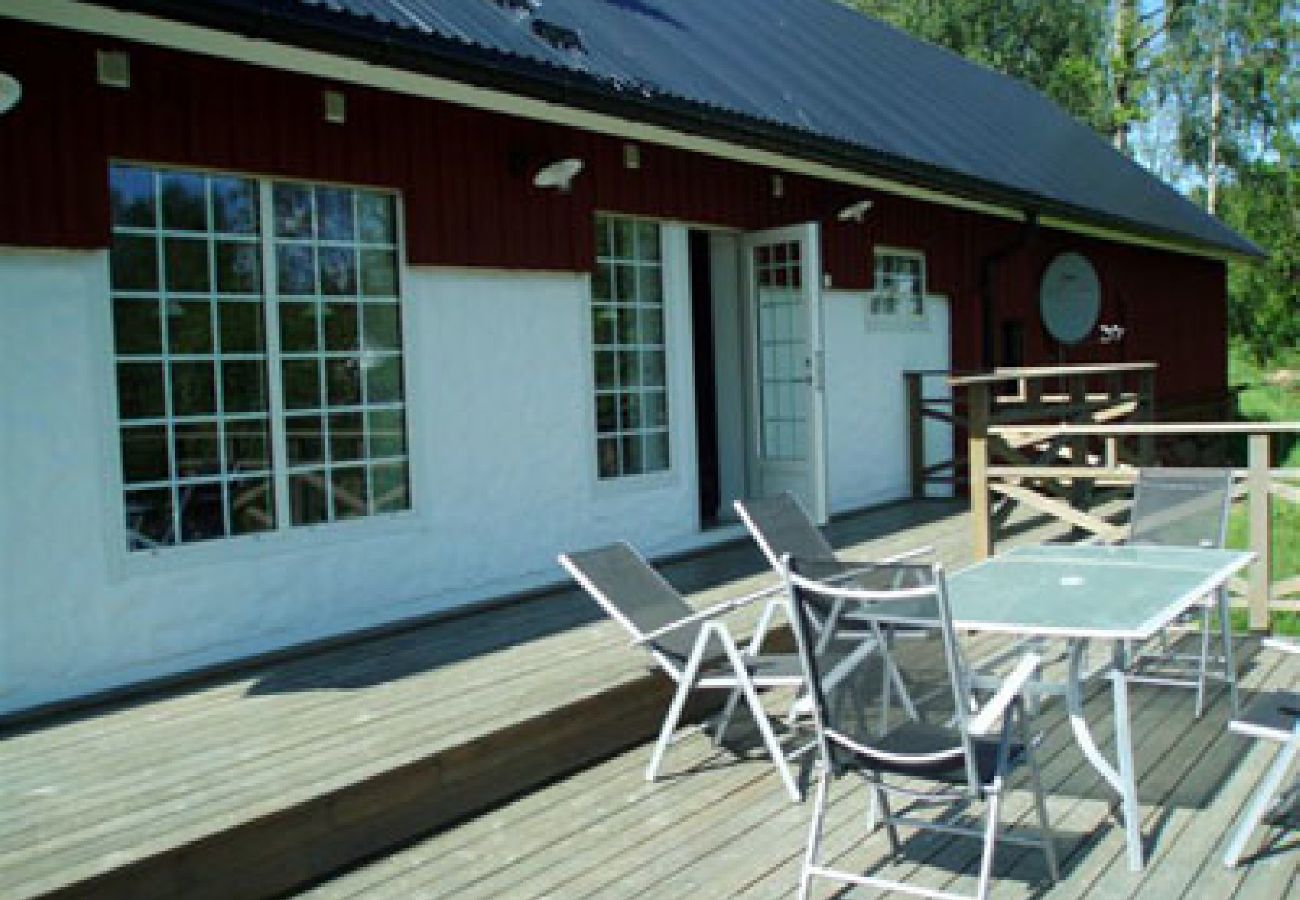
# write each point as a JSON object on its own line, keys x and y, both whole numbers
{"x": 77, "y": 16}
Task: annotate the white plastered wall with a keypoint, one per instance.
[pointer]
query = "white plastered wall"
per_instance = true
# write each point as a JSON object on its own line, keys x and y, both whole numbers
{"x": 503, "y": 478}
{"x": 867, "y": 433}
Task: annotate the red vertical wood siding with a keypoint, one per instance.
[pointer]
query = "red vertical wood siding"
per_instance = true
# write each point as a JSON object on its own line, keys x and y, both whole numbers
{"x": 465, "y": 176}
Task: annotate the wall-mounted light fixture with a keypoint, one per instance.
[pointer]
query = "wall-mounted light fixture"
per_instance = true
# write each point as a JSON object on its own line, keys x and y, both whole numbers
{"x": 778, "y": 186}
{"x": 631, "y": 156}
{"x": 855, "y": 212}
{"x": 113, "y": 68}
{"x": 336, "y": 107}
{"x": 11, "y": 91}
{"x": 558, "y": 174}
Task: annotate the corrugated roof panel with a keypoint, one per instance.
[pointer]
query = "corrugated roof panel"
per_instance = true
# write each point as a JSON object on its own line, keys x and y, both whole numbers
{"x": 822, "y": 69}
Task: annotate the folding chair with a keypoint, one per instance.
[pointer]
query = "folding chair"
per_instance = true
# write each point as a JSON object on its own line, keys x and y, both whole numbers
{"x": 965, "y": 751}
{"x": 694, "y": 649}
{"x": 1184, "y": 508}
{"x": 1272, "y": 717}
{"x": 782, "y": 527}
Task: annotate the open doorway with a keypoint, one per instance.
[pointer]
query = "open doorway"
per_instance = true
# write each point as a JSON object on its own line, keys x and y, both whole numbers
{"x": 719, "y": 365}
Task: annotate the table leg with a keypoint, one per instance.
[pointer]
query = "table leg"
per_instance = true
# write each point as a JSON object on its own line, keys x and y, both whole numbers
{"x": 1123, "y": 779}
{"x": 1229, "y": 658}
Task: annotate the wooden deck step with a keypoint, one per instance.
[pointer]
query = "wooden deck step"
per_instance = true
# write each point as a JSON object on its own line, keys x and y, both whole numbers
{"x": 264, "y": 782}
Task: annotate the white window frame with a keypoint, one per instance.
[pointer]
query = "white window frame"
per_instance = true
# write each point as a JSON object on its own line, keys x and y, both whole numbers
{"x": 285, "y": 535}
{"x": 667, "y": 267}
{"x": 886, "y": 308}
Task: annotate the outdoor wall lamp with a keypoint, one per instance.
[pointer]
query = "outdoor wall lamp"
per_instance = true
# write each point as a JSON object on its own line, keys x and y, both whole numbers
{"x": 558, "y": 174}
{"x": 11, "y": 91}
{"x": 855, "y": 212}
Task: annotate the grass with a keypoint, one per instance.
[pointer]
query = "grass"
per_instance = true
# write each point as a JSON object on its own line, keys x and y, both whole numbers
{"x": 1260, "y": 400}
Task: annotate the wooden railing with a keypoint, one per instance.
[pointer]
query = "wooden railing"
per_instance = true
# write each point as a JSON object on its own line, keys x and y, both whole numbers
{"x": 1075, "y": 460}
{"x": 1076, "y": 394}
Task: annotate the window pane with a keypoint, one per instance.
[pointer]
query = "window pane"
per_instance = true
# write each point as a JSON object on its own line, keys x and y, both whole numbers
{"x": 347, "y": 437}
{"x": 632, "y": 462}
{"x": 627, "y": 325}
{"x": 308, "y": 502}
{"x": 243, "y": 386}
{"x": 351, "y": 498}
{"x": 625, "y": 284}
{"x": 189, "y": 326}
{"x": 382, "y": 328}
{"x": 239, "y": 267}
{"x": 134, "y": 262}
{"x": 301, "y": 384}
{"x": 338, "y": 271}
{"x": 131, "y": 196}
{"x": 656, "y": 409}
{"x": 387, "y": 433}
{"x": 184, "y": 201}
{"x": 378, "y": 273}
{"x": 384, "y": 380}
{"x": 604, "y": 240}
{"x": 629, "y": 368}
{"x": 606, "y": 370}
{"x": 304, "y": 440}
{"x": 340, "y": 321}
{"x": 197, "y": 449}
{"x": 624, "y": 233}
{"x": 607, "y": 457}
{"x": 656, "y": 452}
{"x": 137, "y": 327}
{"x": 252, "y": 506}
{"x": 652, "y": 326}
{"x": 629, "y": 412}
{"x": 391, "y": 486}
{"x": 248, "y": 446}
{"x": 295, "y": 269}
{"x": 377, "y": 218}
{"x": 292, "y": 211}
{"x": 194, "y": 389}
{"x": 334, "y": 214}
{"x": 186, "y": 264}
{"x": 241, "y": 327}
{"x": 149, "y": 519}
{"x": 144, "y": 454}
{"x": 606, "y": 413}
{"x": 650, "y": 285}
{"x": 140, "y": 391}
{"x": 603, "y": 321}
{"x": 202, "y": 516}
{"x": 298, "y": 327}
{"x": 235, "y": 206}
{"x": 647, "y": 240}
{"x": 343, "y": 381}
{"x": 602, "y": 282}
{"x": 653, "y": 368}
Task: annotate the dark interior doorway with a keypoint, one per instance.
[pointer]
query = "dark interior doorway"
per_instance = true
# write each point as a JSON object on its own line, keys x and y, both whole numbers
{"x": 706, "y": 404}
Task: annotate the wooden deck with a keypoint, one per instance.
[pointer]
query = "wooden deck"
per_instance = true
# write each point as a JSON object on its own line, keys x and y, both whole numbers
{"x": 718, "y": 828}
{"x": 290, "y": 772}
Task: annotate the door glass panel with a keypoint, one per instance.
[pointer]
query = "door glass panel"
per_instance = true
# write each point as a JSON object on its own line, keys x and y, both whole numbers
{"x": 782, "y": 352}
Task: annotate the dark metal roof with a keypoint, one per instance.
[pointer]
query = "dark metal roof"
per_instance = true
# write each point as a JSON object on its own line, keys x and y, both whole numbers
{"x": 806, "y": 77}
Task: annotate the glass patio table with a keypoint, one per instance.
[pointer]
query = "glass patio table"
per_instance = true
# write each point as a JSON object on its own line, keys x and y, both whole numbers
{"x": 1079, "y": 593}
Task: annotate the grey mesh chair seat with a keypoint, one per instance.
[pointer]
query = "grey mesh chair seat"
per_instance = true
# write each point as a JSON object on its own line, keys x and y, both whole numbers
{"x": 966, "y": 749}
{"x": 1175, "y": 507}
{"x": 694, "y": 648}
{"x": 1273, "y": 717}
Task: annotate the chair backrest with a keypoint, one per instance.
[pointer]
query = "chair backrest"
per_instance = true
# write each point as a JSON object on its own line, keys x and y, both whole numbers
{"x": 637, "y": 597}
{"x": 782, "y": 527}
{"x": 856, "y": 714}
{"x": 1181, "y": 507}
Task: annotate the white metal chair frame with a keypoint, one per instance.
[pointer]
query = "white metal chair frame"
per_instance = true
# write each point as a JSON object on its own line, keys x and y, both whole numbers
{"x": 972, "y": 721}
{"x": 1265, "y": 719}
{"x": 742, "y": 680}
{"x": 874, "y": 637}
{"x": 1220, "y": 479}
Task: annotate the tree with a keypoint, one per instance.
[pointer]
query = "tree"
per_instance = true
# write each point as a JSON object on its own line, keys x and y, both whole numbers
{"x": 1057, "y": 48}
{"x": 1263, "y": 202}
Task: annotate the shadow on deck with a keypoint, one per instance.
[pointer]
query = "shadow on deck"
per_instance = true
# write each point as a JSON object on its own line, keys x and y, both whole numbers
{"x": 275, "y": 776}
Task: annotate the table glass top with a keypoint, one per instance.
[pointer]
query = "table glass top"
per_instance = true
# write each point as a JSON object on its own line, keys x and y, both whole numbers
{"x": 1073, "y": 590}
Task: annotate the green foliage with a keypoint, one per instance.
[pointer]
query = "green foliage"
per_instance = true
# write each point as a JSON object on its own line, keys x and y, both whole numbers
{"x": 1055, "y": 47}
{"x": 1263, "y": 202}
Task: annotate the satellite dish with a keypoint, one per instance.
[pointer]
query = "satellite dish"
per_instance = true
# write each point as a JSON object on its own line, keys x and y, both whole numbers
{"x": 11, "y": 91}
{"x": 1069, "y": 298}
{"x": 559, "y": 174}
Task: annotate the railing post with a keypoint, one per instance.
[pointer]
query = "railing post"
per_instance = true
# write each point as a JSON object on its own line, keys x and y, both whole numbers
{"x": 978, "y": 442}
{"x": 1146, "y": 412}
{"x": 1078, "y": 389}
{"x": 1261, "y": 532}
{"x": 915, "y": 433}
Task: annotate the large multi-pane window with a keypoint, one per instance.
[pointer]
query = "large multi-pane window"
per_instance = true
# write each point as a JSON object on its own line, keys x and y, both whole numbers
{"x": 899, "y": 284}
{"x": 258, "y": 354}
{"x": 627, "y": 322}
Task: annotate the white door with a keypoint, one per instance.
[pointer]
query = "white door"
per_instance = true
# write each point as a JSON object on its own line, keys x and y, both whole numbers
{"x": 787, "y": 396}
